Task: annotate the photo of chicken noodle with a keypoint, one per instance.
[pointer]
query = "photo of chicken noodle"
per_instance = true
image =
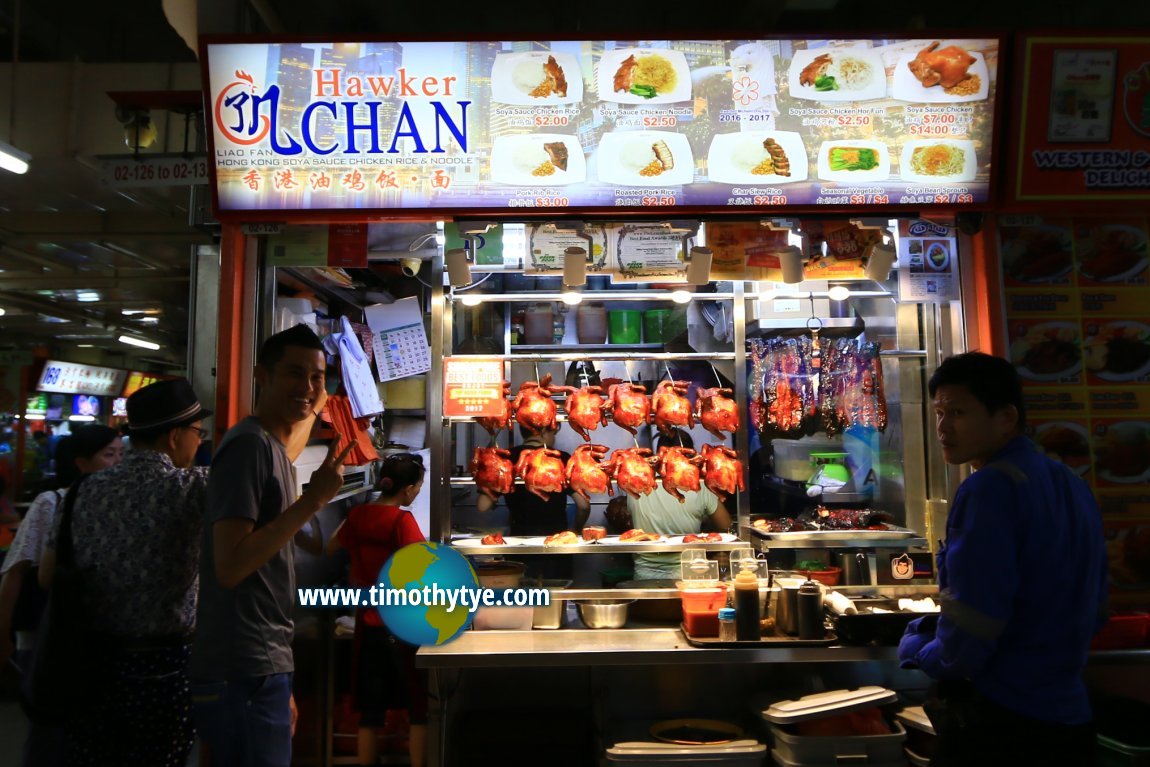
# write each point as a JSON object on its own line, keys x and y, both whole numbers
{"x": 655, "y": 71}
{"x": 852, "y": 73}
{"x": 938, "y": 160}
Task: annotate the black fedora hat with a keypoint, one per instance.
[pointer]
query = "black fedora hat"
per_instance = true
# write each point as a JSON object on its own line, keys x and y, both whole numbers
{"x": 164, "y": 405}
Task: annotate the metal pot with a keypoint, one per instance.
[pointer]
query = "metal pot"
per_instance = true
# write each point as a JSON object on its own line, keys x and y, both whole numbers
{"x": 603, "y": 613}
{"x": 856, "y": 568}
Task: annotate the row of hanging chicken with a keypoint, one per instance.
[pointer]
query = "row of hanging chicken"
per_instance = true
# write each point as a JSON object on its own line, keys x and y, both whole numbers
{"x": 589, "y": 470}
{"x": 627, "y": 404}
{"x": 798, "y": 386}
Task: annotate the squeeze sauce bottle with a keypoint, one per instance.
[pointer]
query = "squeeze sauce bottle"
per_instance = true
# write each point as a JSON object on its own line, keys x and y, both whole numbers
{"x": 747, "y": 604}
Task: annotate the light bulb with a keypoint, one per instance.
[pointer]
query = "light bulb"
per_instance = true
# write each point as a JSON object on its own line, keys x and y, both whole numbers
{"x": 839, "y": 293}
{"x": 571, "y": 297}
{"x": 471, "y": 299}
{"x": 681, "y": 296}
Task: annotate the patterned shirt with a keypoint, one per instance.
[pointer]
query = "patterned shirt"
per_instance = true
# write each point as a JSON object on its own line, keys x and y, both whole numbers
{"x": 139, "y": 525}
{"x": 32, "y": 535}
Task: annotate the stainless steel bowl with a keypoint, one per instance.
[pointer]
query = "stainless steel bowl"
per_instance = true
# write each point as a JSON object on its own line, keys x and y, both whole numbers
{"x": 603, "y": 613}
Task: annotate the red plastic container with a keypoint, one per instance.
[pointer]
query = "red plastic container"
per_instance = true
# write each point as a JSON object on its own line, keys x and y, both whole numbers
{"x": 701, "y": 609}
{"x": 828, "y": 577}
{"x": 1129, "y": 630}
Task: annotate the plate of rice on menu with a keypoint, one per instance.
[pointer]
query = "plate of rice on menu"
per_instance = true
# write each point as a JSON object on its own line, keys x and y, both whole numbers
{"x": 536, "y": 78}
{"x": 757, "y": 157}
{"x": 538, "y": 159}
{"x": 837, "y": 74}
{"x": 646, "y": 158}
{"x": 938, "y": 161}
{"x": 644, "y": 76}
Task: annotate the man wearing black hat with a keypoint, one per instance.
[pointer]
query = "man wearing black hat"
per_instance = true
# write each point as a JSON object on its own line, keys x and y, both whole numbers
{"x": 138, "y": 525}
{"x": 242, "y": 661}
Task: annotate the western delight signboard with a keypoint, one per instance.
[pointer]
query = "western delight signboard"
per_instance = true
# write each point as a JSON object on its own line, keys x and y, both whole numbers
{"x": 599, "y": 125}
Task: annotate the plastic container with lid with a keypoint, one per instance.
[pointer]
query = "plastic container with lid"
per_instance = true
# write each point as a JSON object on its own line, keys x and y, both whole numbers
{"x": 727, "y": 624}
{"x": 790, "y": 748}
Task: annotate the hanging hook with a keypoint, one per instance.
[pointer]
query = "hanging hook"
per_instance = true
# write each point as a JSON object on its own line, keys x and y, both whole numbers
{"x": 718, "y": 379}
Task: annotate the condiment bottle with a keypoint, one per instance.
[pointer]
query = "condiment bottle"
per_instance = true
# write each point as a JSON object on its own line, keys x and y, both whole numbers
{"x": 727, "y": 631}
{"x": 747, "y": 604}
{"x": 810, "y": 611}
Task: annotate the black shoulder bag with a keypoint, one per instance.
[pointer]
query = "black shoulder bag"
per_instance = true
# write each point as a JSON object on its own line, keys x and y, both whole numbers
{"x": 64, "y": 669}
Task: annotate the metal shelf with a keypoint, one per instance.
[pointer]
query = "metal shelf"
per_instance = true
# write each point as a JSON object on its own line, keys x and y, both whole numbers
{"x": 518, "y": 348}
{"x": 597, "y": 548}
{"x": 593, "y": 295}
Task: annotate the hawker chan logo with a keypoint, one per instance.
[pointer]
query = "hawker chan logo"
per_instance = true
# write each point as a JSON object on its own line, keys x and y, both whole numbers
{"x": 902, "y": 568}
{"x": 347, "y": 115}
{"x": 919, "y": 228}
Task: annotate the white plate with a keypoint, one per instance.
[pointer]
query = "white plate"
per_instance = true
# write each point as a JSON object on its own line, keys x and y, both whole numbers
{"x": 733, "y": 155}
{"x": 881, "y": 173}
{"x": 727, "y": 538}
{"x": 874, "y": 88}
{"x": 928, "y": 259}
{"x": 623, "y": 154}
{"x": 1134, "y": 375}
{"x": 538, "y": 540}
{"x": 969, "y": 162}
{"x": 906, "y": 87}
{"x": 1086, "y": 249}
{"x": 513, "y": 158}
{"x": 609, "y": 65}
{"x": 1018, "y": 250}
{"x": 515, "y": 75}
{"x": 477, "y": 542}
{"x": 1059, "y": 374}
{"x": 1101, "y": 446}
{"x": 1078, "y": 429}
{"x": 613, "y": 540}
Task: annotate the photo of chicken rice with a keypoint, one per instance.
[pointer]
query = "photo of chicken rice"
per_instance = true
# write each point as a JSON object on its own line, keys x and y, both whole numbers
{"x": 554, "y": 81}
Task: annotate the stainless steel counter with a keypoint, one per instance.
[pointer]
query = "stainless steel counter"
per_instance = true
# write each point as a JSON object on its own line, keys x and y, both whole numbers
{"x": 619, "y": 647}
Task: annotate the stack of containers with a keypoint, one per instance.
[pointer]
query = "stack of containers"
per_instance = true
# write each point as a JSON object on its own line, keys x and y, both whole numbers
{"x": 791, "y": 749}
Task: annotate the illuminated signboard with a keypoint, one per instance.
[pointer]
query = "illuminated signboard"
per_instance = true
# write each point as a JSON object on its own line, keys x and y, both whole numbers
{"x": 74, "y": 378}
{"x": 610, "y": 125}
{"x": 138, "y": 380}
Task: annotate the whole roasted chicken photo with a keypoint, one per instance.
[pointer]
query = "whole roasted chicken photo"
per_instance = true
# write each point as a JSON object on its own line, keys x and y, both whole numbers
{"x": 493, "y": 471}
{"x": 671, "y": 406}
{"x": 533, "y": 407}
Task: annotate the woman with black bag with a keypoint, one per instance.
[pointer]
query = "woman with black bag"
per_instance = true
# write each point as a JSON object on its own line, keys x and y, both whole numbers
{"x": 87, "y": 450}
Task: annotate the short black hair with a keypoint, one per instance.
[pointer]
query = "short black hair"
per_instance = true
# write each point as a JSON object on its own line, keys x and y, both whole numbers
{"x": 526, "y": 433}
{"x": 398, "y": 472}
{"x": 677, "y": 438}
{"x": 89, "y": 440}
{"x": 992, "y": 380}
{"x": 272, "y": 350}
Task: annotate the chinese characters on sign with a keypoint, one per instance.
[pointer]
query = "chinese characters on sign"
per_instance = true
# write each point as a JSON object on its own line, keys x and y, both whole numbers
{"x": 74, "y": 378}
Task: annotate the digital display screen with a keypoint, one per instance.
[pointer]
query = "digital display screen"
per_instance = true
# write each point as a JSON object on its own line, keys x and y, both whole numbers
{"x": 601, "y": 125}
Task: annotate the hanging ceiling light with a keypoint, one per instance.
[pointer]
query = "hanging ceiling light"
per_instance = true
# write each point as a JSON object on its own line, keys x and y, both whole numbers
{"x": 12, "y": 159}
{"x": 879, "y": 263}
{"x": 140, "y": 342}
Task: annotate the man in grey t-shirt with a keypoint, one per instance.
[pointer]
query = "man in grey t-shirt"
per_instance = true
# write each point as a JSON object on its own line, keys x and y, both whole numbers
{"x": 241, "y": 657}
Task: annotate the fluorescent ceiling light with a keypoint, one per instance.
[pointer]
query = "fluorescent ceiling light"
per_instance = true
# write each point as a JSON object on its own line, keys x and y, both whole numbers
{"x": 87, "y": 296}
{"x": 84, "y": 418}
{"x": 138, "y": 342}
{"x": 132, "y": 312}
{"x": 85, "y": 346}
{"x": 12, "y": 159}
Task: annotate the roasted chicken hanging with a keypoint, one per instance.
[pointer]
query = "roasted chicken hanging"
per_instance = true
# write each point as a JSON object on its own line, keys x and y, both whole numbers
{"x": 631, "y": 468}
{"x": 533, "y": 407}
{"x": 722, "y": 472}
{"x": 629, "y": 405}
{"x": 717, "y": 411}
{"x": 679, "y": 469}
{"x": 585, "y": 472}
{"x": 493, "y": 472}
{"x": 585, "y": 409}
{"x": 671, "y": 406}
{"x": 494, "y": 424}
{"x": 542, "y": 471}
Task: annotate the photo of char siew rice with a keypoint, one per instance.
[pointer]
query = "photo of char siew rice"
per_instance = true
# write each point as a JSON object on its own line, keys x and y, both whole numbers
{"x": 1113, "y": 253}
{"x": 1047, "y": 351}
{"x": 1118, "y": 350}
{"x": 941, "y": 73}
{"x": 837, "y": 74}
{"x": 656, "y": 158}
{"x": 644, "y": 76}
{"x": 541, "y": 159}
{"x": 757, "y": 157}
{"x": 538, "y": 78}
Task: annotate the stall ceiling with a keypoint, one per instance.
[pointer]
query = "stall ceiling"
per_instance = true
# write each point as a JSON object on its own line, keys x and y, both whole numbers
{"x": 81, "y": 263}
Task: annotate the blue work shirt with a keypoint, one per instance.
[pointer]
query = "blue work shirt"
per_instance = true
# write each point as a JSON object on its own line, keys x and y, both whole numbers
{"x": 1022, "y": 577}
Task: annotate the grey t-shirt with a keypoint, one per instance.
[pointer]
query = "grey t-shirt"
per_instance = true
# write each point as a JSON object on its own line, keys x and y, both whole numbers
{"x": 246, "y": 631}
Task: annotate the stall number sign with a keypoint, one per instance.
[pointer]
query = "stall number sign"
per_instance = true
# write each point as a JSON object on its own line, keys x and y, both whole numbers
{"x": 472, "y": 388}
{"x": 129, "y": 171}
{"x": 72, "y": 378}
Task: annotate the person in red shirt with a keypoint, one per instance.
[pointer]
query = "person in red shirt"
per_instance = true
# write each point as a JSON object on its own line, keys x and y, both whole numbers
{"x": 385, "y": 673}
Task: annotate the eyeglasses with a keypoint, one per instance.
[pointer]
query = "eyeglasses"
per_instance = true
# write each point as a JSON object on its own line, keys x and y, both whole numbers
{"x": 415, "y": 457}
{"x": 203, "y": 433}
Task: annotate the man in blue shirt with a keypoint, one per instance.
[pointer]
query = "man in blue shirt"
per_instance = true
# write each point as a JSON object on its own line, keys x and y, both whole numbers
{"x": 1023, "y": 585}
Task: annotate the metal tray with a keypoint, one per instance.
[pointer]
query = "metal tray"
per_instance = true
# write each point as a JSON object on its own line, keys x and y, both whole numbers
{"x": 892, "y": 532}
{"x": 776, "y": 641}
